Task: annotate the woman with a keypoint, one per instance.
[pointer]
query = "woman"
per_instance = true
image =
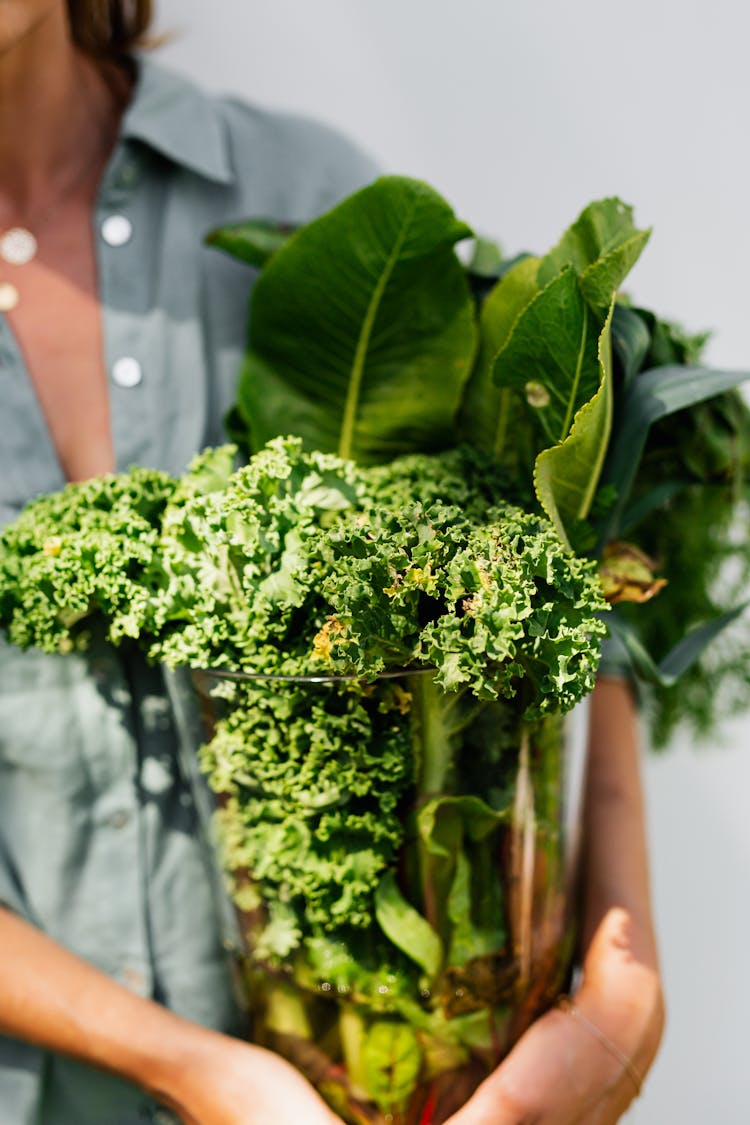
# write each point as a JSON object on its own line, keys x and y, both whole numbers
{"x": 119, "y": 343}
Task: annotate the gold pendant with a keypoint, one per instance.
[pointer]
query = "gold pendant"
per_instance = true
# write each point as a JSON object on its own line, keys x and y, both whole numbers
{"x": 9, "y": 296}
{"x": 17, "y": 246}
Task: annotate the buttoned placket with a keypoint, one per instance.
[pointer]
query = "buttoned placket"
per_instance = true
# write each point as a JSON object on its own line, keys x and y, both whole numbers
{"x": 117, "y": 244}
{"x": 123, "y": 258}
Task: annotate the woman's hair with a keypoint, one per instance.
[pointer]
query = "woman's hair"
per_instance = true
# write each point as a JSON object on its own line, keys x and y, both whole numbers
{"x": 109, "y": 29}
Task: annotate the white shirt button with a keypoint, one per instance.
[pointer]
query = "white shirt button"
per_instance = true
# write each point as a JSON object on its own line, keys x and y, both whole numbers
{"x": 127, "y": 372}
{"x": 117, "y": 230}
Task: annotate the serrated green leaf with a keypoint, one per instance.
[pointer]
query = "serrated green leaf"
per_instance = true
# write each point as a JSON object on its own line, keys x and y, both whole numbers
{"x": 254, "y": 241}
{"x": 603, "y": 232}
{"x": 605, "y": 276}
{"x": 551, "y": 356}
{"x": 406, "y": 927}
{"x": 362, "y": 328}
{"x": 566, "y": 475}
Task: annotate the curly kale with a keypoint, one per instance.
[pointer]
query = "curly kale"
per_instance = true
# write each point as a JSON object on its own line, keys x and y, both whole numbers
{"x": 305, "y": 563}
{"x": 314, "y": 776}
{"x": 81, "y": 551}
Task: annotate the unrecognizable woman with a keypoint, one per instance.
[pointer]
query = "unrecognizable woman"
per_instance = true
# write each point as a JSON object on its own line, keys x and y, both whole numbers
{"x": 120, "y": 341}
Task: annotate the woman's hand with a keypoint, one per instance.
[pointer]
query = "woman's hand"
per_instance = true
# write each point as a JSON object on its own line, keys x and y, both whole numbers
{"x": 222, "y": 1081}
{"x": 52, "y": 998}
{"x": 560, "y": 1073}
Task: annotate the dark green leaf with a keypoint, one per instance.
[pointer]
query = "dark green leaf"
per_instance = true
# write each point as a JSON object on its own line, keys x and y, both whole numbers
{"x": 254, "y": 241}
{"x": 682, "y": 656}
{"x": 631, "y": 340}
{"x": 362, "y": 328}
{"x": 653, "y": 395}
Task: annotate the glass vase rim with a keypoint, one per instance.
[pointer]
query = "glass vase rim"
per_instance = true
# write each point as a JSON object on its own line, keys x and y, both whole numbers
{"x": 239, "y": 676}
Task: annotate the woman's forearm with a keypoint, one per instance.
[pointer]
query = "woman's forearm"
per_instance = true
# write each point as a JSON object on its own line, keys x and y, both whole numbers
{"x": 616, "y": 859}
{"x": 56, "y": 1000}
{"x": 52, "y": 998}
{"x": 621, "y": 985}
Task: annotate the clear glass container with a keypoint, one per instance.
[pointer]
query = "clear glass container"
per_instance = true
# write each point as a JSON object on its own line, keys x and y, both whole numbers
{"x": 403, "y": 868}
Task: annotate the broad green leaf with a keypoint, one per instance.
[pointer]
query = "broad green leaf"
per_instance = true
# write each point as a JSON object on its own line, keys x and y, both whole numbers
{"x": 490, "y": 413}
{"x": 682, "y": 656}
{"x": 392, "y": 1059}
{"x": 653, "y": 395}
{"x": 566, "y": 475}
{"x": 601, "y": 245}
{"x": 362, "y": 328}
{"x": 254, "y": 241}
{"x": 551, "y": 356}
{"x": 603, "y": 278}
{"x": 406, "y": 928}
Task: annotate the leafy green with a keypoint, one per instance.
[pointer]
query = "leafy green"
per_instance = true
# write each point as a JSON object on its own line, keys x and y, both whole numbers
{"x": 383, "y": 334}
{"x": 254, "y": 241}
{"x": 566, "y": 475}
{"x": 79, "y": 552}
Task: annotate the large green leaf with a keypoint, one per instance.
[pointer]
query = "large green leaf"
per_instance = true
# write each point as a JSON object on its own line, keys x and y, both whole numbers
{"x": 362, "y": 328}
{"x": 566, "y": 475}
{"x": 490, "y": 413}
{"x": 602, "y": 245}
{"x": 652, "y": 395}
{"x": 552, "y": 357}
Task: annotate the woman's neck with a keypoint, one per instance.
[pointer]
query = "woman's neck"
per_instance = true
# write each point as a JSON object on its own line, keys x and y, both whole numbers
{"x": 58, "y": 118}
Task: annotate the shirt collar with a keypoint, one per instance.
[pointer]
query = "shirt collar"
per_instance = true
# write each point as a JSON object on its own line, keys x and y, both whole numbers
{"x": 171, "y": 115}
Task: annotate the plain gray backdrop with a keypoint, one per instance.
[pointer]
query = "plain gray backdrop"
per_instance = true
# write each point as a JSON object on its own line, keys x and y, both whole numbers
{"x": 520, "y": 114}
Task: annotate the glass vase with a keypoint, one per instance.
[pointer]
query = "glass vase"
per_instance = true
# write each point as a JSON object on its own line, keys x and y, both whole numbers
{"x": 402, "y": 863}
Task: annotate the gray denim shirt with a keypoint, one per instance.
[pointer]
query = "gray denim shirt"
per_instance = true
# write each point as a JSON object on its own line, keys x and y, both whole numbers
{"x": 99, "y": 837}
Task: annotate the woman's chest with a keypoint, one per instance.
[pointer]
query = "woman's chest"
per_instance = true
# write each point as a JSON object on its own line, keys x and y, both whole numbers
{"x": 57, "y": 329}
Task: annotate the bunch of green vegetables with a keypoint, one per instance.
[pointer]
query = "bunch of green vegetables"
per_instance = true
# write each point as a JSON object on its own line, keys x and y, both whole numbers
{"x": 369, "y": 338}
{"x": 363, "y": 820}
{"x": 436, "y": 545}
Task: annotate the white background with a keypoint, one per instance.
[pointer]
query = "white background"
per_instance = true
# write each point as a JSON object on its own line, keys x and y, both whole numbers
{"x": 520, "y": 114}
